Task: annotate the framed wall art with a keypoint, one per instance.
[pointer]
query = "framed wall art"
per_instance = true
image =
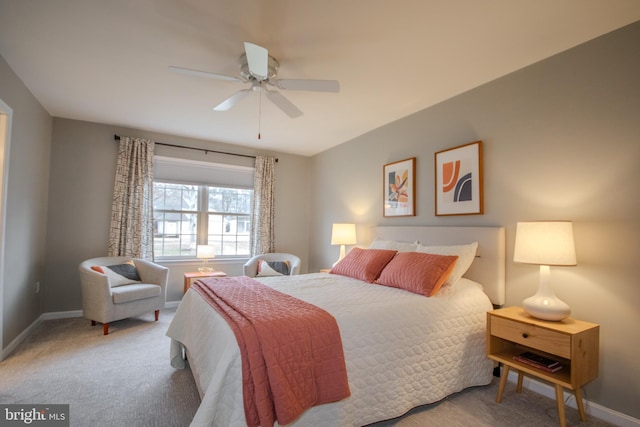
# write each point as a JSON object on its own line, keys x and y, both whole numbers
{"x": 458, "y": 180}
{"x": 399, "y": 188}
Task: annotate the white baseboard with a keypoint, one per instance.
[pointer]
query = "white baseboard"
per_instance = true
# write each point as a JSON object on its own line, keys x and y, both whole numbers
{"x": 61, "y": 315}
{"x": 171, "y": 304}
{"x": 17, "y": 340}
{"x": 24, "y": 334}
{"x": 591, "y": 408}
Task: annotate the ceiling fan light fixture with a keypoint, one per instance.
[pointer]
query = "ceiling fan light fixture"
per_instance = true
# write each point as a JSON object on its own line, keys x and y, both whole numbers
{"x": 272, "y": 68}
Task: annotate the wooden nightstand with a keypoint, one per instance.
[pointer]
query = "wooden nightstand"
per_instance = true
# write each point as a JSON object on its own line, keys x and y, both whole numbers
{"x": 190, "y": 277}
{"x": 573, "y": 343}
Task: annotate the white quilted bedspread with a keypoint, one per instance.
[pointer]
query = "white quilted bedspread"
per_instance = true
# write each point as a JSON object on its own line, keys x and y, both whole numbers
{"x": 402, "y": 350}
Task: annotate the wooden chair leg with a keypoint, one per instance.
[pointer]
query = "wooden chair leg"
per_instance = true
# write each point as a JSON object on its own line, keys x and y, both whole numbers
{"x": 157, "y": 312}
{"x": 105, "y": 329}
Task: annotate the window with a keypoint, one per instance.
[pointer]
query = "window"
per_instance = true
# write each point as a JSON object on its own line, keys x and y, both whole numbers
{"x": 200, "y": 202}
{"x": 187, "y": 215}
{"x": 229, "y": 220}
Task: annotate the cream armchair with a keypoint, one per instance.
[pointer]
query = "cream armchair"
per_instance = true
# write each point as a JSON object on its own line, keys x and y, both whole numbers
{"x": 105, "y": 301}
{"x": 251, "y": 266}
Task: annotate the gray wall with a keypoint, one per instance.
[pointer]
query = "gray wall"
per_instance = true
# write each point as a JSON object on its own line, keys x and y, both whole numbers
{"x": 83, "y": 162}
{"x": 26, "y": 208}
{"x": 561, "y": 141}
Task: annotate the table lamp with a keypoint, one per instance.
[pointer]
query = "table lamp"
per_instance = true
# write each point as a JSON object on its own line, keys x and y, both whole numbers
{"x": 545, "y": 243}
{"x": 205, "y": 252}
{"x": 343, "y": 234}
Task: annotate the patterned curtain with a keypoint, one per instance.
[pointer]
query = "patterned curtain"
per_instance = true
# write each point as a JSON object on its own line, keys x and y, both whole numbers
{"x": 262, "y": 212}
{"x": 131, "y": 232}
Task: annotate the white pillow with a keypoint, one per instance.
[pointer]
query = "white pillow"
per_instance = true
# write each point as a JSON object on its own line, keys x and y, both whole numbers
{"x": 465, "y": 253}
{"x": 394, "y": 245}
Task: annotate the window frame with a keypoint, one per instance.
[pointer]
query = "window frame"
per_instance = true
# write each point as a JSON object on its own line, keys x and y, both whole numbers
{"x": 202, "y": 218}
{"x": 207, "y": 233}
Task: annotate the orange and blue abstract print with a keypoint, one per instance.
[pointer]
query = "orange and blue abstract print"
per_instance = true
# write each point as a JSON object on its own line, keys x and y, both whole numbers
{"x": 459, "y": 188}
{"x": 459, "y": 180}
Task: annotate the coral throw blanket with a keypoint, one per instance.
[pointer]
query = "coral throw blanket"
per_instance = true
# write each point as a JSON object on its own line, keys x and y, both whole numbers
{"x": 291, "y": 350}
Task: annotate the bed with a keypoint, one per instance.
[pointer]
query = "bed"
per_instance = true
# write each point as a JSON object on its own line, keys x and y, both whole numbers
{"x": 401, "y": 350}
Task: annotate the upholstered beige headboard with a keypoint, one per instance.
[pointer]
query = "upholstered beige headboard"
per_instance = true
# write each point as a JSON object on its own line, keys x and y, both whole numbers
{"x": 487, "y": 269}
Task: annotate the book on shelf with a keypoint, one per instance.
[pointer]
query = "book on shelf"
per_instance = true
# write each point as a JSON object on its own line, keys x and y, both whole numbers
{"x": 538, "y": 361}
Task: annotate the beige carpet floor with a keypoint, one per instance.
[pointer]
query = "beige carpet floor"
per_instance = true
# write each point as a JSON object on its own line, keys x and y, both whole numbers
{"x": 124, "y": 379}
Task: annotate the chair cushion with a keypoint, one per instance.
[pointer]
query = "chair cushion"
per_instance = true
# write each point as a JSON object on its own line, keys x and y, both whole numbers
{"x": 134, "y": 292}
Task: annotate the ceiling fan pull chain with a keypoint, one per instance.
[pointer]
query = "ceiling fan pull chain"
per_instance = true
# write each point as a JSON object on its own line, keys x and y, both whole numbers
{"x": 259, "y": 113}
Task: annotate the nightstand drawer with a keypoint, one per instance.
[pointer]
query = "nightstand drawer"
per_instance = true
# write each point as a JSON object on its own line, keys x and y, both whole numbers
{"x": 543, "y": 339}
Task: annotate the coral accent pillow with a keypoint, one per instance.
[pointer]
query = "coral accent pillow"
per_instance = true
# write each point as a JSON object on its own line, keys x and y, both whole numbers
{"x": 416, "y": 272}
{"x": 363, "y": 264}
{"x": 466, "y": 254}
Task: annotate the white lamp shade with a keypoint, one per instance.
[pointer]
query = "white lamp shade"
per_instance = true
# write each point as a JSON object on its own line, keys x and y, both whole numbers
{"x": 205, "y": 252}
{"x": 545, "y": 243}
{"x": 343, "y": 234}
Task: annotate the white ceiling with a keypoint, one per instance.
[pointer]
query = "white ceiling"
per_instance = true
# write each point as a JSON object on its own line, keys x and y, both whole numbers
{"x": 107, "y": 61}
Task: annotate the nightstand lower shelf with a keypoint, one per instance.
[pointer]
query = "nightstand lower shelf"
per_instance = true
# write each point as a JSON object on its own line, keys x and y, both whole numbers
{"x": 562, "y": 377}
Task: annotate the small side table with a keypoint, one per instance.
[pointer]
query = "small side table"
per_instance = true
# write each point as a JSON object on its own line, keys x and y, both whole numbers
{"x": 194, "y": 275}
{"x": 573, "y": 343}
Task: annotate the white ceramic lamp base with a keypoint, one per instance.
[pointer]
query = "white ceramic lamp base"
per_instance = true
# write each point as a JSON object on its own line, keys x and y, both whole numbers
{"x": 545, "y": 308}
{"x": 545, "y": 304}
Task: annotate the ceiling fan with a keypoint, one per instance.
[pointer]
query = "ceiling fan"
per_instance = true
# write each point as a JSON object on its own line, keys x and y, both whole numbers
{"x": 260, "y": 69}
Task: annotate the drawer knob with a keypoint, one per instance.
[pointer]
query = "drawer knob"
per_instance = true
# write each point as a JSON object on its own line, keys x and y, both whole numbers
{"x": 525, "y": 335}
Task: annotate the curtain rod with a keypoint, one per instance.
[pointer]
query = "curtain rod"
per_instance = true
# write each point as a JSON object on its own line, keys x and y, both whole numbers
{"x": 206, "y": 151}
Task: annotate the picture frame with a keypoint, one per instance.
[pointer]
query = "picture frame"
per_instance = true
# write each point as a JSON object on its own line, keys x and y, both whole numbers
{"x": 458, "y": 180}
{"x": 399, "y": 188}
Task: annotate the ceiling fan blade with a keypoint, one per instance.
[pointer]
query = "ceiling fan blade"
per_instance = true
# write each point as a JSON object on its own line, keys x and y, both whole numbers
{"x": 206, "y": 74}
{"x": 258, "y": 60}
{"x": 310, "y": 85}
{"x": 283, "y": 103}
{"x": 228, "y": 103}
